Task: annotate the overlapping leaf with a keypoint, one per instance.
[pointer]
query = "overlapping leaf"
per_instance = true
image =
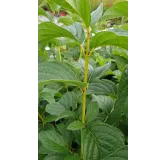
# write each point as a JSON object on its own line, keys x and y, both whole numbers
{"x": 69, "y": 99}
{"x": 99, "y": 71}
{"x": 121, "y": 103}
{"x": 80, "y": 7}
{"x": 55, "y": 109}
{"x": 92, "y": 111}
{"x": 54, "y": 157}
{"x": 106, "y": 103}
{"x": 102, "y": 87}
{"x": 51, "y": 72}
{"x": 49, "y": 30}
{"x": 106, "y": 38}
{"x": 120, "y": 154}
{"x": 118, "y": 10}
{"x": 100, "y": 140}
{"x": 96, "y": 15}
{"x": 52, "y": 141}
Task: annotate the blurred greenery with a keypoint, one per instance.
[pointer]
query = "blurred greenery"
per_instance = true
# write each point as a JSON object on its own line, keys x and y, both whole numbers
{"x": 94, "y": 3}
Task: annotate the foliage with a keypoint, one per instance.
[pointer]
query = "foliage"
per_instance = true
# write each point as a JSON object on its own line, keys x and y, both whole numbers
{"x": 83, "y": 82}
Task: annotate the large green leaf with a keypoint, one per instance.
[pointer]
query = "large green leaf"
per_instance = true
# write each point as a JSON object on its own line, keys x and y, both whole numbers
{"x": 106, "y": 38}
{"x": 102, "y": 87}
{"x": 96, "y": 15}
{"x": 80, "y": 7}
{"x": 99, "y": 71}
{"x": 92, "y": 111}
{"x": 118, "y": 10}
{"x": 99, "y": 141}
{"x": 106, "y": 103}
{"x": 49, "y": 30}
{"x": 75, "y": 125}
{"x": 120, "y": 154}
{"x": 55, "y": 109}
{"x": 51, "y": 72}
{"x": 52, "y": 141}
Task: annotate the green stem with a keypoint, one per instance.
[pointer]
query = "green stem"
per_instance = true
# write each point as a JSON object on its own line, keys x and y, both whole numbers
{"x": 41, "y": 118}
{"x": 81, "y": 51}
{"x": 85, "y": 80}
{"x": 59, "y": 54}
{"x": 53, "y": 18}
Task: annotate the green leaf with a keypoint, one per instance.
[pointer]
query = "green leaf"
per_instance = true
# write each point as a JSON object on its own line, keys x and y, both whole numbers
{"x": 120, "y": 52}
{"x": 66, "y": 5}
{"x": 102, "y": 87}
{"x": 92, "y": 111}
{"x": 80, "y": 7}
{"x": 47, "y": 96}
{"x": 66, "y": 114}
{"x": 96, "y": 15}
{"x": 43, "y": 150}
{"x": 118, "y": 10}
{"x": 76, "y": 125}
{"x": 72, "y": 157}
{"x": 106, "y": 103}
{"x": 66, "y": 134}
{"x": 106, "y": 38}
{"x": 41, "y": 12}
{"x": 99, "y": 71}
{"x": 48, "y": 126}
{"x": 65, "y": 20}
{"x": 119, "y": 31}
{"x": 55, "y": 109}
{"x": 99, "y": 141}
{"x": 52, "y": 88}
{"x": 49, "y": 30}
{"x": 121, "y": 102}
{"x": 50, "y": 118}
{"x": 121, "y": 62}
{"x": 51, "y": 72}
{"x": 58, "y": 42}
{"x": 54, "y": 157}
{"x": 68, "y": 99}
{"x": 54, "y": 7}
{"x": 41, "y": 156}
{"x": 52, "y": 141}
{"x": 77, "y": 30}
{"x": 120, "y": 154}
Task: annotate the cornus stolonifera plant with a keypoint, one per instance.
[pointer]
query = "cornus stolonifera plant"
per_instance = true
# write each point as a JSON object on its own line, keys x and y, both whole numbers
{"x": 82, "y": 81}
